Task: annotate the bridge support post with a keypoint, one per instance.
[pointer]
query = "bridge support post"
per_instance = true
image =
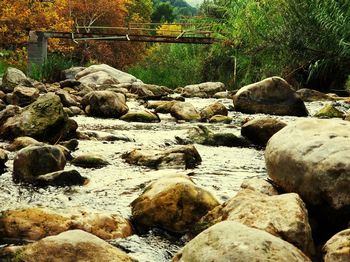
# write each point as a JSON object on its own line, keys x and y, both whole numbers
{"x": 37, "y": 50}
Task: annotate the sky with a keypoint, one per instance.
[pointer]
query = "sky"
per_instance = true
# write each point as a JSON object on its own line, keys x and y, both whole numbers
{"x": 194, "y": 2}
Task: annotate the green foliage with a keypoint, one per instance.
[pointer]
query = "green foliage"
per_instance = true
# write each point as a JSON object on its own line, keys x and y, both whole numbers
{"x": 51, "y": 69}
{"x": 3, "y": 67}
{"x": 170, "y": 10}
{"x": 171, "y": 65}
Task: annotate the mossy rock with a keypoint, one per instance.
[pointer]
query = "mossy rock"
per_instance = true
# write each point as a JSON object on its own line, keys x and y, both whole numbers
{"x": 329, "y": 111}
{"x": 141, "y": 116}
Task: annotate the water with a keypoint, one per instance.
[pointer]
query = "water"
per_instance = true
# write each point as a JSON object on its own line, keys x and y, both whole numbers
{"x": 112, "y": 188}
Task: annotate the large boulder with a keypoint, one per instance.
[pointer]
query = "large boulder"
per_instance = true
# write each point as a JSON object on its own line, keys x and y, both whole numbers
{"x": 103, "y": 74}
{"x": 105, "y": 104}
{"x": 73, "y": 245}
{"x": 44, "y": 120}
{"x": 178, "y": 157}
{"x": 33, "y": 161}
{"x": 23, "y": 96}
{"x": 270, "y": 96}
{"x": 37, "y": 223}
{"x": 284, "y": 216}
{"x": 173, "y": 203}
{"x": 260, "y": 130}
{"x": 203, "y": 90}
{"x": 311, "y": 157}
{"x": 184, "y": 111}
{"x": 212, "y": 110}
{"x": 337, "y": 249}
{"x": 12, "y": 78}
{"x": 231, "y": 241}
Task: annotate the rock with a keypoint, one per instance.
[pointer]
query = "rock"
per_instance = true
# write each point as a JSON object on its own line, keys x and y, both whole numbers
{"x": 149, "y": 91}
{"x": 71, "y": 72}
{"x": 177, "y": 157}
{"x": 272, "y": 96}
{"x": 284, "y": 216}
{"x": 90, "y": 161}
{"x": 203, "y": 90}
{"x": 222, "y": 95}
{"x": 141, "y": 116}
{"x": 69, "y": 83}
{"x": 8, "y": 112}
{"x": 329, "y": 111}
{"x": 105, "y": 104}
{"x": 2, "y": 105}
{"x": 22, "y": 142}
{"x": 310, "y": 95}
{"x": 204, "y": 136}
{"x": 337, "y": 249}
{"x": 231, "y": 241}
{"x": 212, "y": 110}
{"x": 260, "y": 130}
{"x": 61, "y": 178}
{"x": 3, "y": 158}
{"x": 173, "y": 203}
{"x": 347, "y": 116}
{"x": 103, "y": 74}
{"x": 184, "y": 111}
{"x": 311, "y": 157}
{"x": 76, "y": 111}
{"x": 220, "y": 119}
{"x": 37, "y": 223}
{"x": 43, "y": 120}
{"x": 72, "y": 144}
{"x": 23, "y": 96}
{"x": 33, "y": 161}
{"x": 67, "y": 100}
{"x": 165, "y": 107}
{"x": 73, "y": 245}
{"x": 12, "y": 78}
{"x": 259, "y": 185}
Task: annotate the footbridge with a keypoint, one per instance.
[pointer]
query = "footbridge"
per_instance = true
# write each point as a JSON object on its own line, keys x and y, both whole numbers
{"x": 181, "y": 33}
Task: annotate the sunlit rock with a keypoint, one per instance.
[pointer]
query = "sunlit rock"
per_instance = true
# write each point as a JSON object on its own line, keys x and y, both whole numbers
{"x": 284, "y": 216}
{"x": 329, "y": 111}
{"x": 203, "y": 90}
{"x": 141, "y": 116}
{"x": 37, "y": 223}
{"x": 259, "y": 185}
{"x": 311, "y": 157}
{"x": 105, "y": 104}
{"x": 173, "y": 202}
{"x": 220, "y": 119}
{"x": 270, "y": 96}
{"x": 73, "y": 245}
{"x": 260, "y": 130}
{"x": 23, "y": 96}
{"x": 178, "y": 157}
{"x": 337, "y": 249}
{"x": 212, "y": 110}
{"x": 231, "y": 241}
{"x": 12, "y": 78}
{"x": 184, "y": 111}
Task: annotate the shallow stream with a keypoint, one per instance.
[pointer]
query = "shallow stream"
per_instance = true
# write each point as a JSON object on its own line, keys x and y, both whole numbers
{"x": 113, "y": 188}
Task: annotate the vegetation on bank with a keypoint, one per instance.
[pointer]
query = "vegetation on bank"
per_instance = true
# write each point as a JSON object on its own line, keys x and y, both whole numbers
{"x": 307, "y": 43}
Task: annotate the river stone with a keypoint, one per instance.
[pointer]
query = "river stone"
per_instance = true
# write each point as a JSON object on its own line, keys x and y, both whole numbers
{"x": 284, "y": 216}
{"x": 141, "y": 116}
{"x": 73, "y": 245}
{"x": 23, "y": 96}
{"x": 22, "y": 142}
{"x": 214, "y": 109}
{"x": 337, "y": 249}
{"x": 61, "y": 178}
{"x": 272, "y": 96}
{"x": 165, "y": 107}
{"x": 67, "y": 99}
{"x": 259, "y": 185}
{"x": 33, "y": 161}
{"x": 43, "y": 120}
{"x": 260, "y": 130}
{"x": 12, "y": 78}
{"x": 103, "y": 74}
{"x": 71, "y": 72}
{"x": 310, "y": 95}
{"x": 105, "y": 104}
{"x": 148, "y": 91}
{"x": 203, "y": 90}
{"x": 220, "y": 119}
{"x": 69, "y": 83}
{"x": 72, "y": 144}
{"x": 173, "y": 203}
{"x": 90, "y": 160}
{"x": 329, "y": 111}
{"x": 178, "y": 157}
{"x": 231, "y": 241}
{"x": 312, "y": 158}
{"x": 8, "y": 112}
{"x": 204, "y": 136}
{"x": 37, "y": 223}
{"x": 3, "y": 158}
{"x": 184, "y": 111}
